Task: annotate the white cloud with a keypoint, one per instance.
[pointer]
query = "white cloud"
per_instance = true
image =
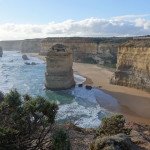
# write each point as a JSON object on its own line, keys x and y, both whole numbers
{"x": 129, "y": 25}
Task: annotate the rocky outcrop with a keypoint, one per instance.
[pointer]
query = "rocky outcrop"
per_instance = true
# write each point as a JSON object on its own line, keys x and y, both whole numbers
{"x": 31, "y": 46}
{"x": 59, "y": 72}
{"x": 25, "y": 57}
{"x": 133, "y": 65}
{"x": 1, "y": 52}
{"x": 115, "y": 142}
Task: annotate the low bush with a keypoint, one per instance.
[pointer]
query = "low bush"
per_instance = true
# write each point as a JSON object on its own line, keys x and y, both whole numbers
{"x": 61, "y": 140}
{"x": 113, "y": 125}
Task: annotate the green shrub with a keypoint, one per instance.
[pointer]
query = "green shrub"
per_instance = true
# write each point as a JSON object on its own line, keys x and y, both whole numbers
{"x": 61, "y": 140}
{"x": 113, "y": 125}
{"x": 1, "y": 96}
{"x": 24, "y": 120}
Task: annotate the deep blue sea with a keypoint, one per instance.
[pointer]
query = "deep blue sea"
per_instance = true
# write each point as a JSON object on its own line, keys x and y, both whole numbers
{"x": 78, "y": 104}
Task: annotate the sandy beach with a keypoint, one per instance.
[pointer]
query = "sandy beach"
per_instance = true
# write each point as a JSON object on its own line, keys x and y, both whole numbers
{"x": 134, "y": 104}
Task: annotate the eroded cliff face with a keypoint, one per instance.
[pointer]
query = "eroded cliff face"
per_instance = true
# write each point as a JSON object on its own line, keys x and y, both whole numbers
{"x": 11, "y": 45}
{"x": 133, "y": 65}
{"x": 25, "y": 46}
{"x": 88, "y": 50}
{"x": 85, "y": 49}
{"x": 31, "y": 46}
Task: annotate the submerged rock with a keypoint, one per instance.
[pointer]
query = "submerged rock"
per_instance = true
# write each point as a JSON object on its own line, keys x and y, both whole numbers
{"x": 80, "y": 85}
{"x": 33, "y": 63}
{"x": 1, "y": 52}
{"x": 88, "y": 87}
{"x": 27, "y": 63}
{"x": 25, "y": 57}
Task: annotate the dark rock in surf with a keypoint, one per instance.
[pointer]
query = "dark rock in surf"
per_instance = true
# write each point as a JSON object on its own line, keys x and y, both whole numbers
{"x": 80, "y": 85}
{"x": 25, "y": 57}
{"x": 88, "y": 87}
{"x": 1, "y": 52}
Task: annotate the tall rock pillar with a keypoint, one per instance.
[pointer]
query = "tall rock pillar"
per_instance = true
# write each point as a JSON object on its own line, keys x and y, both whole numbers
{"x": 59, "y": 72}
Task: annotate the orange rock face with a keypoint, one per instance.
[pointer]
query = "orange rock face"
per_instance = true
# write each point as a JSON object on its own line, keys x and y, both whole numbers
{"x": 59, "y": 72}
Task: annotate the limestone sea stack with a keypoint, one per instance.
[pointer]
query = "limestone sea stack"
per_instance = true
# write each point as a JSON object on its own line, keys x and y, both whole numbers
{"x": 1, "y": 52}
{"x": 59, "y": 72}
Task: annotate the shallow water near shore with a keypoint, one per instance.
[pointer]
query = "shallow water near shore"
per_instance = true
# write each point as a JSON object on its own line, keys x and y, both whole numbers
{"x": 82, "y": 106}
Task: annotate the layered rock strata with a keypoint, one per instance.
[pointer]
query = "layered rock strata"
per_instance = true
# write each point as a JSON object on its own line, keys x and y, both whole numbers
{"x": 95, "y": 50}
{"x": 85, "y": 49}
{"x": 59, "y": 72}
{"x": 11, "y": 45}
{"x": 133, "y": 64}
{"x": 31, "y": 46}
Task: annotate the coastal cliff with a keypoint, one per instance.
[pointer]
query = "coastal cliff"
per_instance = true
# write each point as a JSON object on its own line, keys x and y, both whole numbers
{"x": 84, "y": 49}
{"x": 11, "y": 45}
{"x": 133, "y": 64}
{"x": 89, "y": 50}
{"x": 31, "y": 46}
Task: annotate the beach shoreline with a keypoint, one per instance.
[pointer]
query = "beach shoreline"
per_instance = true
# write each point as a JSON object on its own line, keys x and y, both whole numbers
{"x": 134, "y": 104}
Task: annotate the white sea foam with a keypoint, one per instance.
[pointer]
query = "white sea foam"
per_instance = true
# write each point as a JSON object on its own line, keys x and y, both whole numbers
{"x": 79, "y": 79}
{"x": 82, "y": 116}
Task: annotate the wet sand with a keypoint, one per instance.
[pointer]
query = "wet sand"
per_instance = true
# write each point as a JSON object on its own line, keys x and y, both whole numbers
{"x": 134, "y": 104}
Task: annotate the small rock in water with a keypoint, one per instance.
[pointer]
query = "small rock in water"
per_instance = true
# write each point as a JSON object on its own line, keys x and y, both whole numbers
{"x": 27, "y": 63}
{"x": 25, "y": 57}
{"x": 33, "y": 63}
{"x": 1, "y": 52}
{"x": 11, "y": 61}
{"x": 88, "y": 87}
{"x": 80, "y": 85}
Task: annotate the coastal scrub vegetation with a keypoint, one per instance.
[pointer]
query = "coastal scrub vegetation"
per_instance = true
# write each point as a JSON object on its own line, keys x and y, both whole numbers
{"x": 25, "y": 121}
{"x": 112, "y": 135}
{"x": 113, "y": 125}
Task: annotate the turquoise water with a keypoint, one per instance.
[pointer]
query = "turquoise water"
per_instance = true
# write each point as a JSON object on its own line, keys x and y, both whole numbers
{"x": 77, "y": 104}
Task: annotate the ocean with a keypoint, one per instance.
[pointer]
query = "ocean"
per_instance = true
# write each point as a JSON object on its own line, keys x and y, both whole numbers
{"x": 78, "y": 105}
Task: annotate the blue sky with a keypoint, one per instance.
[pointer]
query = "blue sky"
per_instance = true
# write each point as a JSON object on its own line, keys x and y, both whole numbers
{"x": 42, "y": 18}
{"x": 44, "y": 11}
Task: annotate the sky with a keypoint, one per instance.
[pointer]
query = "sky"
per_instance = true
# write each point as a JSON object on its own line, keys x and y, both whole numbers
{"x": 22, "y": 19}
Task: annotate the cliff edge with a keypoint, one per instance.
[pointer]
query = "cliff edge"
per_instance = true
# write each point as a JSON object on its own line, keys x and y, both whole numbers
{"x": 133, "y": 64}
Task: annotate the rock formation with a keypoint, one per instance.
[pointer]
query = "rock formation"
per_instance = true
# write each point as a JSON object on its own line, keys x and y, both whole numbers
{"x": 25, "y": 46}
{"x": 11, "y": 45}
{"x": 1, "y": 52}
{"x": 59, "y": 72}
{"x": 133, "y": 64}
{"x": 31, "y": 46}
{"x": 25, "y": 57}
{"x": 88, "y": 50}
{"x": 115, "y": 142}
